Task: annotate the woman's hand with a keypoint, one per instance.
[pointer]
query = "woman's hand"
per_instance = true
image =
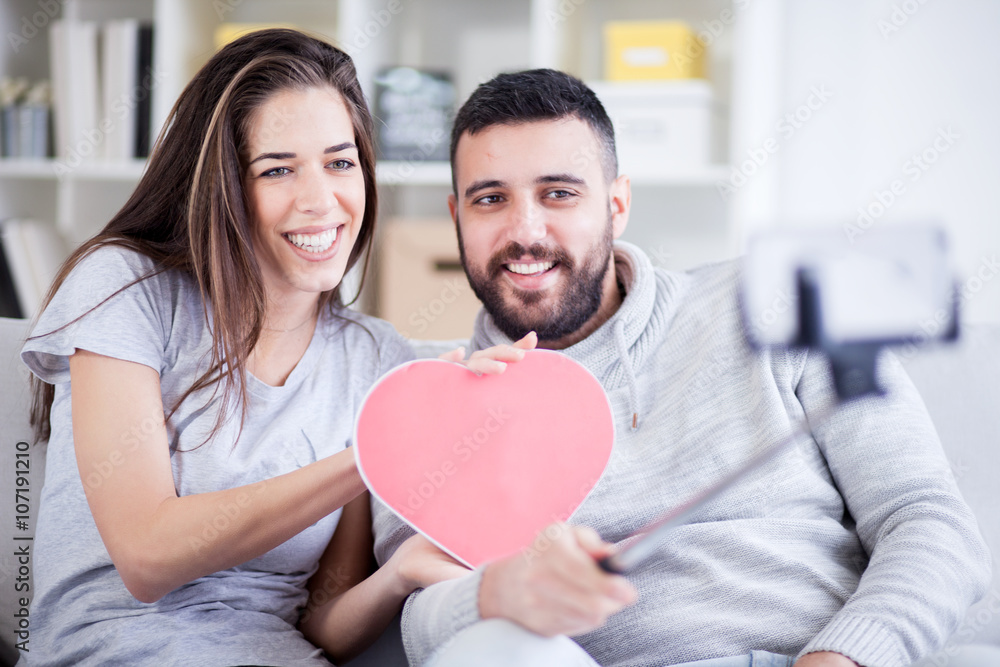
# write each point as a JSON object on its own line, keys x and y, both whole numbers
{"x": 493, "y": 360}
{"x": 419, "y": 564}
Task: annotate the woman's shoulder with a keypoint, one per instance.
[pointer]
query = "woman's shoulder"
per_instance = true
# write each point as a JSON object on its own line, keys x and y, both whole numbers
{"x": 364, "y": 332}
{"x": 114, "y": 266}
{"x": 116, "y": 302}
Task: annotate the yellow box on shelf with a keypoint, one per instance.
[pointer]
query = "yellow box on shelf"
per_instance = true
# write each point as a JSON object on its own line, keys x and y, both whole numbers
{"x": 227, "y": 32}
{"x": 644, "y": 50}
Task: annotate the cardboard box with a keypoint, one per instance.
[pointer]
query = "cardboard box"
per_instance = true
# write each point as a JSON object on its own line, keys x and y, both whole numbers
{"x": 644, "y": 50}
{"x": 423, "y": 290}
{"x": 660, "y": 126}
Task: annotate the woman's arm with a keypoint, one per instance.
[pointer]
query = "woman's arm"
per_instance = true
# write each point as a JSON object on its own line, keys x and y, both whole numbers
{"x": 343, "y": 616}
{"x": 157, "y": 540}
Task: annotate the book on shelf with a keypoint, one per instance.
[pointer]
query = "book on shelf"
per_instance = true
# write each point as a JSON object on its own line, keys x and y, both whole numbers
{"x": 32, "y": 253}
{"x": 144, "y": 81}
{"x": 102, "y": 81}
{"x": 119, "y": 69}
{"x": 75, "y": 81}
{"x": 10, "y": 305}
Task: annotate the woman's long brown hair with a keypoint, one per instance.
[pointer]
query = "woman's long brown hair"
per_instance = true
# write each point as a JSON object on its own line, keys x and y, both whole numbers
{"x": 189, "y": 211}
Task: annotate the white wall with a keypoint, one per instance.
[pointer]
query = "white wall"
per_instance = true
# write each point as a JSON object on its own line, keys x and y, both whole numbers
{"x": 900, "y": 75}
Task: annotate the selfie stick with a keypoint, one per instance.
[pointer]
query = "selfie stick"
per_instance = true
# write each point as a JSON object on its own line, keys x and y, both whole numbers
{"x": 652, "y": 536}
{"x": 853, "y": 370}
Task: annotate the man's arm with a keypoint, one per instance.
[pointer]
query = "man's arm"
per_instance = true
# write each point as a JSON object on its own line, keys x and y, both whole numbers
{"x": 927, "y": 561}
{"x": 554, "y": 587}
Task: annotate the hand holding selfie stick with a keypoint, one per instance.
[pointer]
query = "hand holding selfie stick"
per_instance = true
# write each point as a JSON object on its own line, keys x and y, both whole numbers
{"x": 852, "y": 366}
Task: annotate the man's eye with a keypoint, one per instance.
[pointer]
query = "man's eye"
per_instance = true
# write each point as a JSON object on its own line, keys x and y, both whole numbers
{"x": 560, "y": 194}
{"x": 488, "y": 199}
{"x": 277, "y": 171}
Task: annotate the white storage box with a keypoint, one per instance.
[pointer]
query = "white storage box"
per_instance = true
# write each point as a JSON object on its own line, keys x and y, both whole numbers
{"x": 661, "y": 127}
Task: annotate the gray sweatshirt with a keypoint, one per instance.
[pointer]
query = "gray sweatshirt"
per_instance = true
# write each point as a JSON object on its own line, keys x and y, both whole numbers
{"x": 856, "y": 540}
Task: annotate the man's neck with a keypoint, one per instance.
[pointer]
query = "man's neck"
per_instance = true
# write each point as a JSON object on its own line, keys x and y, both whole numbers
{"x": 611, "y": 300}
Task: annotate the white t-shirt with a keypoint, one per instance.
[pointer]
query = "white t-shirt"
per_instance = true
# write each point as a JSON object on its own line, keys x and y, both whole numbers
{"x": 81, "y": 612}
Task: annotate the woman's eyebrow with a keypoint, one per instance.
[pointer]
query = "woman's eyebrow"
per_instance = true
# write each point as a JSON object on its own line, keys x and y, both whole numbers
{"x": 340, "y": 147}
{"x": 289, "y": 156}
{"x": 273, "y": 156}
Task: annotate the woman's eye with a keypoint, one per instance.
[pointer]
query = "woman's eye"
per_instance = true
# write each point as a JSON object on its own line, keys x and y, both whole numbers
{"x": 341, "y": 165}
{"x": 277, "y": 171}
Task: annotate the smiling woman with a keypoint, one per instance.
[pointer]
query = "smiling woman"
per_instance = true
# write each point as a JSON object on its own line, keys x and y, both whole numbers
{"x": 196, "y": 374}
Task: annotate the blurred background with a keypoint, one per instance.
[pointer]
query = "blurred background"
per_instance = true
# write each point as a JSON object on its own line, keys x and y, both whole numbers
{"x": 732, "y": 117}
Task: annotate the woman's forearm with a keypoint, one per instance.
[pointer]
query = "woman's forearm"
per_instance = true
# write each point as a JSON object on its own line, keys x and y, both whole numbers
{"x": 352, "y": 621}
{"x": 191, "y": 536}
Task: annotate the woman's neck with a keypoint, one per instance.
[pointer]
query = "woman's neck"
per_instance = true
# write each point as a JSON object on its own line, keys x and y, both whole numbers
{"x": 288, "y": 329}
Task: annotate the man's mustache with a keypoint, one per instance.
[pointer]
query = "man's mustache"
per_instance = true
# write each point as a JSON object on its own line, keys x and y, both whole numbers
{"x": 537, "y": 252}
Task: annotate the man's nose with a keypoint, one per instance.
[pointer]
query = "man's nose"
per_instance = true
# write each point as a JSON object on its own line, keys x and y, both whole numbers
{"x": 527, "y": 225}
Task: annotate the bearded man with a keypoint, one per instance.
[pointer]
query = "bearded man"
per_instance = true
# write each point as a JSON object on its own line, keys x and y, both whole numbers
{"x": 854, "y": 548}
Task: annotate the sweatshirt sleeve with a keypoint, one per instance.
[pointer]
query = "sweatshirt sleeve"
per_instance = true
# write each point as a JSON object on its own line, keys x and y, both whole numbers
{"x": 433, "y": 616}
{"x": 927, "y": 560}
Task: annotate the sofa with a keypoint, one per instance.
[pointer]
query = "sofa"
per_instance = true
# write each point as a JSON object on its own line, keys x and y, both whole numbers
{"x": 960, "y": 385}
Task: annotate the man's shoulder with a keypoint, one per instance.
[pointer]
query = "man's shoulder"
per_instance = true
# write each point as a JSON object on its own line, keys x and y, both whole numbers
{"x": 725, "y": 272}
{"x": 706, "y": 287}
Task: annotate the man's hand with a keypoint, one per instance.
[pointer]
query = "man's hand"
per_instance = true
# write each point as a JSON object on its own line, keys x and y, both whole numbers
{"x": 825, "y": 659}
{"x": 555, "y": 587}
{"x": 493, "y": 360}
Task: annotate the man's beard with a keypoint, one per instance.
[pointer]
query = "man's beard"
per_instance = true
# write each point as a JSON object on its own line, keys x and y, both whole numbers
{"x": 579, "y": 301}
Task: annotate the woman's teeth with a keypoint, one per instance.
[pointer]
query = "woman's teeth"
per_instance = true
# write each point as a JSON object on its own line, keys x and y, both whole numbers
{"x": 314, "y": 242}
{"x": 529, "y": 269}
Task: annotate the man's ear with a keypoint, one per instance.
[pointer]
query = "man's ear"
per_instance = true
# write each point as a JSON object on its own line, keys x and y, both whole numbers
{"x": 620, "y": 196}
{"x": 453, "y": 208}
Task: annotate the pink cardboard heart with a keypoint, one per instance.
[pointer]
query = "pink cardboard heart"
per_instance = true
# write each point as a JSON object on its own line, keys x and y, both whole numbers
{"x": 480, "y": 464}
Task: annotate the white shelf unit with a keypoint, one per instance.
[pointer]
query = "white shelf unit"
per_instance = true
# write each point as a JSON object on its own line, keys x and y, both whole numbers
{"x": 679, "y": 217}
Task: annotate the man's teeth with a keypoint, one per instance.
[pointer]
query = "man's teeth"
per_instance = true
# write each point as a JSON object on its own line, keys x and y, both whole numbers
{"x": 314, "y": 242}
{"x": 528, "y": 269}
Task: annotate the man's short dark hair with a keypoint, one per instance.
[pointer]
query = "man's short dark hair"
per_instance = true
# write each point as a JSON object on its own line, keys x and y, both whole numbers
{"x": 534, "y": 95}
